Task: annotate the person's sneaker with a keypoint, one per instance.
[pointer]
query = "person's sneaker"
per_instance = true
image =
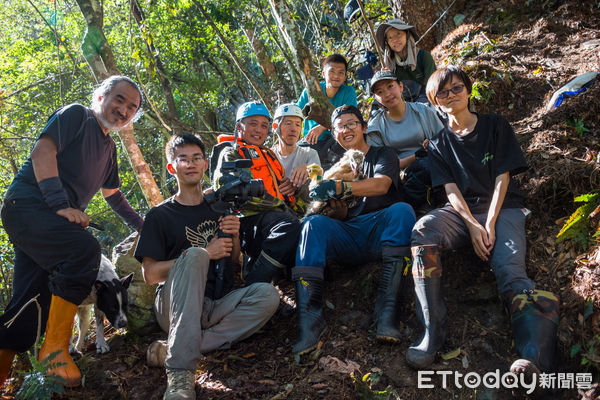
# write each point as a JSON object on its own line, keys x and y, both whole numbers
{"x": 157, "y": 353}
{"x": 180, "y": 385}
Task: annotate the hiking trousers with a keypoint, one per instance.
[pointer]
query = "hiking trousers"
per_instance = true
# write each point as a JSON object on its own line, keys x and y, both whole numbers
{"x": 445, "y": 228}
{"x": 52, "y": 257}
{"x": 197, "y": 324}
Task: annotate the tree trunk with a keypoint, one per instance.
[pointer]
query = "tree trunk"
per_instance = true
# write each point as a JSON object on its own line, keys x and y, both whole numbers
{"x": 100, "y": 57}
{"x": 293, "y": 70}
{"x": 422, "y": 14}
{"x": 320, "y": 107}
{"x": 98, "y": 54}
{"x": 267, "y": 67}
{"x": 263, "y": 96}
{"x": 138, "y": 15}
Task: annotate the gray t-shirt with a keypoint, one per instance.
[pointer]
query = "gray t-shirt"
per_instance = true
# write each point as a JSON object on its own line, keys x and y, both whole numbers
{"x": 419, "y": 123}
{"x": 301, "y": 155}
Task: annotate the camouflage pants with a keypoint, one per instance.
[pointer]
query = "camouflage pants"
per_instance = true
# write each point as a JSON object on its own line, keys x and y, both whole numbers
{"x": 445, "y": 228}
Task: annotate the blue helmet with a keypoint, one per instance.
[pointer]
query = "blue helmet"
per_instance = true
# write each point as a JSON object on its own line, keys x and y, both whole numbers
{"x": 251, "y": 108}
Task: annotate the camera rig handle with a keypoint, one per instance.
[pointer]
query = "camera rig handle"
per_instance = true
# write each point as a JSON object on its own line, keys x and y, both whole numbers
{"x": 220, "y": 265}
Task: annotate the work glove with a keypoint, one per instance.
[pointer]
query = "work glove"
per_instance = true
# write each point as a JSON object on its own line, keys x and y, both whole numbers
{"x": 331, "y": 189}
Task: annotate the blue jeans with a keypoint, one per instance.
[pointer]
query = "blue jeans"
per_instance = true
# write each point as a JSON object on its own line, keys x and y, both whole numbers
{"x": 358, "y": 240}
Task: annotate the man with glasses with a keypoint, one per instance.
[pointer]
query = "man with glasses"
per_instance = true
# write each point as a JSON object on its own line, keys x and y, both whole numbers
{"x": 269, "y": 229}
{"x": 178, "y": 248}
{"x": 376, "y": 227}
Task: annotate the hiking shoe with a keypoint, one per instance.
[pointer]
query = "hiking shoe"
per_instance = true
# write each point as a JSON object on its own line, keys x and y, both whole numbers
{"x": 156, "y": 353}
{"x": 180, "y": 384}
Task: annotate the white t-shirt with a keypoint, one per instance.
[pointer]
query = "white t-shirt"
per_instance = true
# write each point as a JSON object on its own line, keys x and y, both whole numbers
{"x": 419, "y": 123}
{"x": 301, "y": 155}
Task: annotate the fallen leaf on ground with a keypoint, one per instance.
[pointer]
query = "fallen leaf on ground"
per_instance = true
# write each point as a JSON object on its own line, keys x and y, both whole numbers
{"x": 333, "y": 364}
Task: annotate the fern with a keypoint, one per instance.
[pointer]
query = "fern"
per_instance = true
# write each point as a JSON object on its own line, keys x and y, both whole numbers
{"x": 36, "y": 384}
{"x": 578, "y": 226}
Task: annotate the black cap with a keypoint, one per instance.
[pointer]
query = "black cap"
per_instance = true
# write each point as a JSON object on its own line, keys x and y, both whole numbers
{"x": 346, "y": 109}
{"x": 383, "y": 75}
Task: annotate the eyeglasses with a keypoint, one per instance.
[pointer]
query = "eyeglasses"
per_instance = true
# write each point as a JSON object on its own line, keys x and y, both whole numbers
{"x": 350, "y": 126}
{"x": 442, "y": 94}
{"x": 188, "y": 161}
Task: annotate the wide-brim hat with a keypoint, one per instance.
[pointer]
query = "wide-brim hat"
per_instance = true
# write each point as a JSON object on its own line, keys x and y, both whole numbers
{"x": 383, "y": 75}
{"x": 393, "y": 23}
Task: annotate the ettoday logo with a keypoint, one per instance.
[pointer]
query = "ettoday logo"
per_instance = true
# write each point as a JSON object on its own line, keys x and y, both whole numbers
{"x": 508, "y": 380}
{"x": 473, "y": 380}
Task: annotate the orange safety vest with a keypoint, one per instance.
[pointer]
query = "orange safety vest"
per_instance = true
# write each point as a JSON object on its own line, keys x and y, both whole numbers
{"x": 265, "y": 165}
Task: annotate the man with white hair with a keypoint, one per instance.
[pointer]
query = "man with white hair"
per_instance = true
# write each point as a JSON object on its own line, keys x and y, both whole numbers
{"x": 56, "y": 259}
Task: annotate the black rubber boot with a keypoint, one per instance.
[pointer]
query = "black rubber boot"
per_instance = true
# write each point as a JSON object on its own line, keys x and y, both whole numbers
{"x": 309, "y": 284}
{"x": 392, "y": 287}
{"x": 431, "y": 309}
{"x": 265, "y": 270}
{"x": 534, "y": 317}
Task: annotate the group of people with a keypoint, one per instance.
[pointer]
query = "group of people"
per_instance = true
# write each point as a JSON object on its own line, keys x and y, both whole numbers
{"x": 191, "y": 248}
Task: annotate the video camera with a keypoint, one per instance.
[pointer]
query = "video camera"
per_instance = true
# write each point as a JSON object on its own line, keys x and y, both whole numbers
{"x": 236, "y": 186}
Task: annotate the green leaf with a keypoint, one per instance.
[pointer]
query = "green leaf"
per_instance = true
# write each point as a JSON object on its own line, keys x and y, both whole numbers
{"x": 329, "y": 305}
{"x": 575, "y": 349}
{"x": 451, "y": 354}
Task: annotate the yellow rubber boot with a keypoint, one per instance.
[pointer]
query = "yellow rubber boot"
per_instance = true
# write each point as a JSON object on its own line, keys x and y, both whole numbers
{"x": 6, "y": 359}
{"x": 58, "y": 335}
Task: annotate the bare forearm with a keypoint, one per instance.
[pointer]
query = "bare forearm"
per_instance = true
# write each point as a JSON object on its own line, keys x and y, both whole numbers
{"x": 155, "y": 271}
{"x": 406, "y": 161}
{"x": 500, "y": 188}
{"x": 371, "y": 186}
{"x": 458, "y": 202}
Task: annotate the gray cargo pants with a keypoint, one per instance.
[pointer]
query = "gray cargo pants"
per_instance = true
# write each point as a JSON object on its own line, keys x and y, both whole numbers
{"x": 197, "y": 324}
{"x": 444, "y": 227}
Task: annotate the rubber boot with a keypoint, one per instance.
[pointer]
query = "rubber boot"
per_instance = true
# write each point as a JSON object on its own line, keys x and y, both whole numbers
{"x": 6, "y": 359}
{"x": 58, "y": 334}
{"x": 534, "y": 318}
{"x": 392, "y": 286}
{"x": 266, "y": 270}
{"x": 309, "y": 284}
{"x": 431, "y": 309}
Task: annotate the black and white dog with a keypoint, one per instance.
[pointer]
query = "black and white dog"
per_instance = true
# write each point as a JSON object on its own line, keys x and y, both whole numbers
{"x": 109, "y": 298}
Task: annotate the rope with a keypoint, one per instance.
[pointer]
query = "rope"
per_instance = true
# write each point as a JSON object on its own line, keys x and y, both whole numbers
{"x": 39, "y": 324}
{"x": 438, "y": 20}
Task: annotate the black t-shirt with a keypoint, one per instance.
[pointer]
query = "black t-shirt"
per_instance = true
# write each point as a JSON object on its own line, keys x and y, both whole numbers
{"x": 86, "y": 158}
{"x": 379, "y": 160}
{"x": 171, "y": 227}
{"x": 474, "y": 161}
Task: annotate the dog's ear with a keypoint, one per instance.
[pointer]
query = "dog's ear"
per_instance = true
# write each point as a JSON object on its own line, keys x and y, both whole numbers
{"x": 99, "y": 285}
{"x": 126, "y": 281}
